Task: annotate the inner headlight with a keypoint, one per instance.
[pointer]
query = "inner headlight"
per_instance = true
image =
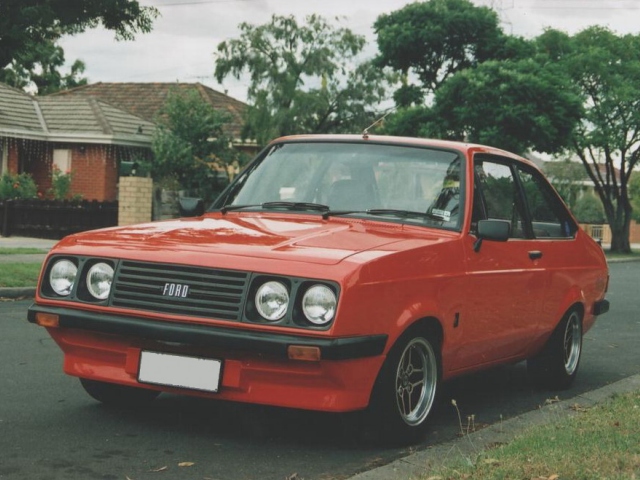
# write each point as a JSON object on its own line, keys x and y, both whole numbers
{"x": 272, "y": 300}
{"x": 62, "y": 277}
{"x": 99, "y": 279}
{"x": 319, "y": 304}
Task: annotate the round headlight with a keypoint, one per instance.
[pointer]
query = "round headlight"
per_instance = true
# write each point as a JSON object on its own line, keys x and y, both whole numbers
{"x": 99, "y": 278}
{"x": 319, "y": 304}
{"x": 272, "y": 300}
{"x": 62, "y": 277}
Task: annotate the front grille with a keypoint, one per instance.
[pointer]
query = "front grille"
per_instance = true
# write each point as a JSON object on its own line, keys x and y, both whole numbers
{"x": 159, "y": 287}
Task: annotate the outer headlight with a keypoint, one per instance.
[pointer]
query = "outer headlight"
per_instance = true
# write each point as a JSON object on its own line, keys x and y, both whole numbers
{"x": 62, "y": 276}
{"x": 99, "y": 278}
{"x": 319, "y": 304}
{"x": 272, "y": 300}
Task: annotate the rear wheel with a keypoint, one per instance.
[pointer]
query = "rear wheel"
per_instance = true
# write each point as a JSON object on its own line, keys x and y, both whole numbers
{"x": 556, "y": 366}
{"x": 406, "y": 389}
{"x": 118, "y": 395}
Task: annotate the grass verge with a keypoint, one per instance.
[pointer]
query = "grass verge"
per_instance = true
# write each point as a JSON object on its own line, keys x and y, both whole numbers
{"x": 19, "y": 274}
{"x": 602, "y": 442}
{"x": 21, "y": 251}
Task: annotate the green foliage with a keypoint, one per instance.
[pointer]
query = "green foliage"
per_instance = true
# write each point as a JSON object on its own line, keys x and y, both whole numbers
{"x": 60, "y": 184}
{"x": 30, "y": 30}
{"x": 39, "y": 66}
{"x": 17, "y": 186}
{"x": 437, "y": 38}
{"x": 190, "y": 145}
{"x": 567, "y": 178}
{"x": 515, "y": 105}
{"x": 302, "y": 78}
{"x": 605, "y": 68}
{"x": 588, "y": 209}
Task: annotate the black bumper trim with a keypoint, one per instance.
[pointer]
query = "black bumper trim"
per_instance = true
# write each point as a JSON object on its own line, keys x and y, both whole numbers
{"x": 601, "y": 307}
{"x": 213, "y": 336}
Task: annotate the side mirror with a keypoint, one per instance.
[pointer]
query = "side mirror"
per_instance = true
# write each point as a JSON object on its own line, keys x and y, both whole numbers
{"x": 190, "y": 207}
{"x": 494, "y": 230}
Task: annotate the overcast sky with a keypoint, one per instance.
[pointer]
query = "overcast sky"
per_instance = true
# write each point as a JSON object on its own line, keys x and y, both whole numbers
{"x": 181, "y": 45}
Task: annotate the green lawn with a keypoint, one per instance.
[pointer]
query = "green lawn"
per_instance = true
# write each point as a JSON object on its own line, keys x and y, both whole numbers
{"x": 602, "y": 442}
{"x": 20, "y": 251}
{"x": 19, "y": 274}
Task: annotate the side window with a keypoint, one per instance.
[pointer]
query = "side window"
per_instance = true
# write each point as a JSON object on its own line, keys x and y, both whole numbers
{"x": 496, "y": 196}
{"x": 549, "y": 217}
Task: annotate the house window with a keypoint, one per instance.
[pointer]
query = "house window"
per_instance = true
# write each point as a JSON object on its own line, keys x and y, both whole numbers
{"x": 62, "y": 160}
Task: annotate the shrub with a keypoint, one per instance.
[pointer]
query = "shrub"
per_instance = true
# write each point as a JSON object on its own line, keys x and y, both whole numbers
{"x": 17, "y": 186}
{"x": 60, "y": 184}
{"x": 589, "y": 209}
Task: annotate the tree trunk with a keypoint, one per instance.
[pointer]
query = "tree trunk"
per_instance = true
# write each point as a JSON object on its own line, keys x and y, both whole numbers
{"x": 620, "y": 230}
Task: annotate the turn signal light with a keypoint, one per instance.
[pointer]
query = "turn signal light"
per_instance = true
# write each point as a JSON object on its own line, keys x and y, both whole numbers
{"x": 304, "y": 353}
{"x": 47, "y": 319}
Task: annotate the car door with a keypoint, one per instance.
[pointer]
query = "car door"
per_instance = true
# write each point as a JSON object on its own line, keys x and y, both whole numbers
{"x": 504, "y": 281}
{"x": 554, "y": 230}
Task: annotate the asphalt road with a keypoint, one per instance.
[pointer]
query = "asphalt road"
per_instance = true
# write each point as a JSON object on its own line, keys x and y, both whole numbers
{"x": 50, "y": 429}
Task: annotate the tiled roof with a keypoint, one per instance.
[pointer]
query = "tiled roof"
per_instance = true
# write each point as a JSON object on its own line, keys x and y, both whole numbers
{"x": 73, "y": 119}
{"x": 146, "y": 99}
{"x": 18, "y": 110}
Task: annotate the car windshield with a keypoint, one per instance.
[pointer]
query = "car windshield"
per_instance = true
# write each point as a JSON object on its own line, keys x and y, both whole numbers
{"x": 391, "y": 182}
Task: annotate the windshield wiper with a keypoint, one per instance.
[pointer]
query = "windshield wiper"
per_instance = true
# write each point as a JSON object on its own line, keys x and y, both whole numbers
{"x": 287, "y": 205}
{"x": 297, "y": 206}
{"x": 384, "y": 211}
{"x": 230, "y": 208}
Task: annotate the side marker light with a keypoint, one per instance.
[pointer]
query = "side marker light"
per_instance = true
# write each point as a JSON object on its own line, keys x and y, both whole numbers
{"x": 304, "y": 353}
{"x": 47, "y": 320}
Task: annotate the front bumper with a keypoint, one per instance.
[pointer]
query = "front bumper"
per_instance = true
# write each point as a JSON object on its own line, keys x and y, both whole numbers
{"x": 256, "y": 368}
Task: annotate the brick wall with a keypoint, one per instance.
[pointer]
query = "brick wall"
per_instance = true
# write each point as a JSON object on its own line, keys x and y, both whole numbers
{"x": 94, "y": 172}
{"x": 134, "y": 200}
{"x": 634, "y": 235}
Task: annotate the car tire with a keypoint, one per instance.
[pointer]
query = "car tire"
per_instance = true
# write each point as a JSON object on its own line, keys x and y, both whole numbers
{"x": 556, "y": 366}
{"x": 406, "y": 389}
{"x": 118, "y": 395}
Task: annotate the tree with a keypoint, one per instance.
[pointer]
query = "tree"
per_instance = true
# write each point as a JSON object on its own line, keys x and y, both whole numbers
{"x": 515, "y": 105}
{"x": 40, "y": 67}
{"x": 304, "y": 78}
{"x": 29, "y": 28}
{"x": 190, "y": 146}
{"x": 568, "y": 178}
{"x": 26, "y": 23}
{"x": 435, "y": 39}
{"x": 606, "y": 70}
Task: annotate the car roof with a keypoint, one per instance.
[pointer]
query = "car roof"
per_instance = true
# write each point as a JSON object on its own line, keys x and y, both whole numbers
{"x": 463, "y": 147}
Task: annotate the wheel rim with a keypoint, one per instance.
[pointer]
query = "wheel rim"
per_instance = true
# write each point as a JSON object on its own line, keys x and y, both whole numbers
{"x": 416, "y": 381}
{"x": 572, "y": 344}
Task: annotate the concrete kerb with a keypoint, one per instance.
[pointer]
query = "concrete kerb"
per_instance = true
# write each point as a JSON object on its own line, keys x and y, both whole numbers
{"x": 472, "y": 445}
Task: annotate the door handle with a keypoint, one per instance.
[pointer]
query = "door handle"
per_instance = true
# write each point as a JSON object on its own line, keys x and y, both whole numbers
{"x": 535, "y": 254}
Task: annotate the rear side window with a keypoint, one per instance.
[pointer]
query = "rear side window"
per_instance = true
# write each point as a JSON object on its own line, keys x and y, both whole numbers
{"x": 549, "y": 216}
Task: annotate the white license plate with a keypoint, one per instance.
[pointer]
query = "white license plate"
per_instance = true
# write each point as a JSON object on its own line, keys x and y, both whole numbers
{"x": 180, "y": 371}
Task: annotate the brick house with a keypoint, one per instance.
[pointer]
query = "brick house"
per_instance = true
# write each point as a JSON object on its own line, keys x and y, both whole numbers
{"x": 91, "y": 130}
{"x": 145, "y": 100}
{"x": 81, "y": 135}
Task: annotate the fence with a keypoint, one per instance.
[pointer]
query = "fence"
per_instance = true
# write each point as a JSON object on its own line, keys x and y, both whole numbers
{"x": 54, "y": 219}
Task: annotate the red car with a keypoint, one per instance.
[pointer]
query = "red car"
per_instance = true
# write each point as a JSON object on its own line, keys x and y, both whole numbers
{"x": 336, "y": 273}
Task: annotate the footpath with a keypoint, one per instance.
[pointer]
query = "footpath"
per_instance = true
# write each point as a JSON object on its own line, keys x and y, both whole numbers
{"x": 417, "y": 464}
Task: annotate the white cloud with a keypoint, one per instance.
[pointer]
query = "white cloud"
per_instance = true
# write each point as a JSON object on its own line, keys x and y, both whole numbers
{"x": 182, "y": 44}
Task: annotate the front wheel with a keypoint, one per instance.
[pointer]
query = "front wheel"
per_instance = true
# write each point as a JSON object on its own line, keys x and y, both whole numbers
{"x": 406, "y": 389}
{"x": 118, "y": 395}
{"x": 556, "y": 366}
